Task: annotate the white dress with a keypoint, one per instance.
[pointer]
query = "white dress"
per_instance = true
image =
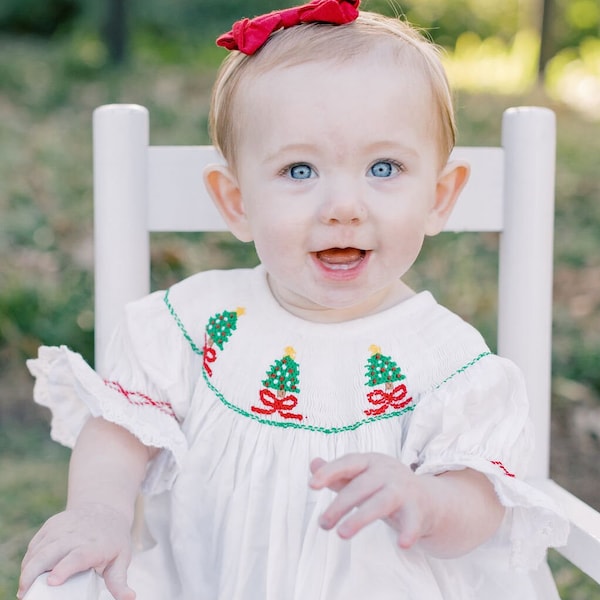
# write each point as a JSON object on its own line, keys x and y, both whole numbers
{"x": 241, "y": 396}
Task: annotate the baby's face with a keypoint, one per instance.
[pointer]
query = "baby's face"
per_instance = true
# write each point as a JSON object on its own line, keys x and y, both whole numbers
{"x": 338, "y": 167}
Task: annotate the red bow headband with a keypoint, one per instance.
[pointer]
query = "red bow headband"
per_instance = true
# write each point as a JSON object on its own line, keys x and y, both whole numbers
{"x": 248, "y": 35}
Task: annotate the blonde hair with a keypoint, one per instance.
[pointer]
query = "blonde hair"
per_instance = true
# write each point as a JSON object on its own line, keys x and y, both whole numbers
{"x": 324, "y": 42}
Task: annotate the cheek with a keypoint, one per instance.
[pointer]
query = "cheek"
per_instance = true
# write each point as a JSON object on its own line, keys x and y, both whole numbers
{"x": 407, "y": 250}
{"x": 405, "y": 240}
{"x": 274, "y": 243}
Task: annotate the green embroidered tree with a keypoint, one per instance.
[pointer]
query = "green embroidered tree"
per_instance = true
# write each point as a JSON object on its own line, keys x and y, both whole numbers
{"x": 221, "y": 326}
{"x": 283, "y": 375}
{"x": 381, "y": 369}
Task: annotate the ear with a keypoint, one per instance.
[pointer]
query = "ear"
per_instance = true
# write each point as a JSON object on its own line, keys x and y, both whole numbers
{"x": 451, "y": 181}
{"x": 223, "y": 188}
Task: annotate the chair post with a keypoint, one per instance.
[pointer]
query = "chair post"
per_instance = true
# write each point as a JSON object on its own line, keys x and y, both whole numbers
{"x": 121, "y": 240}
{"x": 526, "y": 264}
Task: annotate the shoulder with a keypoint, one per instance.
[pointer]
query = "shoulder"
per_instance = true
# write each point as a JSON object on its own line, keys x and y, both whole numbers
{"x": 439, "y": 326}
{"x": 436, "y": 343}
{"x": 456, "y": 360}
{"x": 175, "y": 316}
{"x": 200, "y": 296}
{"x": 193, "y": 294}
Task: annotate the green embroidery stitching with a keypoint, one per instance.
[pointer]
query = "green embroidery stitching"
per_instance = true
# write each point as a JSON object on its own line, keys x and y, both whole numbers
{"x": 284, "y": 373}
{"x": 462, "y": 369}
{"x": 295, "y": 425}
{"x": 222, "y": 325}
{"x": 181, "y": 326}
{"x": 381, "y": 369}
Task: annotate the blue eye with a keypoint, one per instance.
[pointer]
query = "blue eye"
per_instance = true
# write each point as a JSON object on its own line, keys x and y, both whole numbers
{"x": 301, "y": 171}
{"x": 383, "y": 168}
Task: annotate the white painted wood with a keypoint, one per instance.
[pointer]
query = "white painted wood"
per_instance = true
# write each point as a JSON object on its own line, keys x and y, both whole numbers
{"x": 526, "y": 266}
{"x": 177, "y": 197}
{"x": 87, "y": 585}
{"x": 583, "y": 545}
{"x": 479, "y": 207}
{"x": 121, "y": 240}
{"x": 178, "y": 200}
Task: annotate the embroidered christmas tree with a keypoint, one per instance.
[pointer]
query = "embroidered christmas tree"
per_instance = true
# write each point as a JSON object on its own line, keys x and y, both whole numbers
{"x": 222, "y": 325}
{"x": 218, "y": 331}
{"x": 283, "y": 377}
{"x": 382, "y": 370}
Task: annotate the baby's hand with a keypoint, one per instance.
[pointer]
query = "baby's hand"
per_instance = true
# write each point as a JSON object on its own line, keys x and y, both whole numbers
{"x": 90, "y": 536}
{"x": 377, "y": 487}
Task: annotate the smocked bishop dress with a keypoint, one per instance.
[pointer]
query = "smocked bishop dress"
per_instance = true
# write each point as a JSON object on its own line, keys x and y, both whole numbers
{"x": 241, "y": 395}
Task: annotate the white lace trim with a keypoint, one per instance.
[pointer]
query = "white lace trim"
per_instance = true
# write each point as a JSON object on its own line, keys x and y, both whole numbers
{"x": 535, "y": 522}
{"x": 73, "y": 391}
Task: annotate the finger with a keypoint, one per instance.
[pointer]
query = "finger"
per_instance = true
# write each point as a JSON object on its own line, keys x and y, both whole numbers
{"x": 316, "y": 464}
{"x": 378, "y": 505}
{"x": 26, "y": 581}
{"x": 75, "y": 561}
{"x": 115, "y": 577}
{"x": 28, "y": 575}
{"x": 39, "y": 560}
{"x": 42, "y": 537}
{"x": 35, "y": 542}
{"x": 354, "y": 494}
{"x": 337, "y": 473}
{"x": 410, "y": 528}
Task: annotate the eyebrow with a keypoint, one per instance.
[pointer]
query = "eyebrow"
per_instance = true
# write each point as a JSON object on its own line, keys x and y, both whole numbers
{"x": 383, "y": 145}
{"x": 298, "y": 147}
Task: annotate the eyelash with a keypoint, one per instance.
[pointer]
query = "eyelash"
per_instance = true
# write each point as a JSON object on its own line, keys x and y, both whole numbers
{"x": 287, "y": 171}
{"x": 399, "y": 167}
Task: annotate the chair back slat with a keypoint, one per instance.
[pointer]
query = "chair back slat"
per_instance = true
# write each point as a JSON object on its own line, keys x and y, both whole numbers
{"x": 178, "y": 200}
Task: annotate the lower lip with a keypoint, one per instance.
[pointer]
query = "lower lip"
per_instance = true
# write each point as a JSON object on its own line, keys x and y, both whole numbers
{"x": 342, "y": 272}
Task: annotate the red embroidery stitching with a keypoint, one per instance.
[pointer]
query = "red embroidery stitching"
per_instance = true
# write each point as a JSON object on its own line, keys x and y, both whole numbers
{"x": 383, "y": 370}
{"x": 209, "y": 355}
{"x": 498, "y": 463}
{"x": 395, "y": 399}
{"x": 274, "y": 404}
{"x": 139, "y": 399}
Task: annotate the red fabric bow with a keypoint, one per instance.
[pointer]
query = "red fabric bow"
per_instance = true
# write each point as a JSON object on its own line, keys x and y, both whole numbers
{"x": 248, "y": 35}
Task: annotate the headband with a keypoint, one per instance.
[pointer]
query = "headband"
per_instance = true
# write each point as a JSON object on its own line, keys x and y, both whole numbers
{"x": 248, "y": 35}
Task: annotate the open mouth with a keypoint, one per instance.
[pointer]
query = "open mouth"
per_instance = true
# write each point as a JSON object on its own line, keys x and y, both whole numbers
{"x": 341, "y": 259}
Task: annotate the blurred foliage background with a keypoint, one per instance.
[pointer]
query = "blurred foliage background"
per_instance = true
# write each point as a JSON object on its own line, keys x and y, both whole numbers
{"x": 59, "y": 59}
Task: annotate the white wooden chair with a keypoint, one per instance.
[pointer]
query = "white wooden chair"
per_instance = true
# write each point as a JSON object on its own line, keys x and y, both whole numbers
{"x": 140, "y": 188}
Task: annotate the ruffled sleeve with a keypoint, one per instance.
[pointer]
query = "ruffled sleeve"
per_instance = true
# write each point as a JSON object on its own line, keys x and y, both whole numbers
{"x": 479, "y": 419}
{"x": 144, "y": 389}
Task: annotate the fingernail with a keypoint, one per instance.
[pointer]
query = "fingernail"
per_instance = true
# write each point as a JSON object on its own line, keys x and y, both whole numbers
{"x": 344, "y": 531}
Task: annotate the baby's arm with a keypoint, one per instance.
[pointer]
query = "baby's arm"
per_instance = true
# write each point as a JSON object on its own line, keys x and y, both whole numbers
{"x": 448, "y": 514}
{"x": 106, "y": 470}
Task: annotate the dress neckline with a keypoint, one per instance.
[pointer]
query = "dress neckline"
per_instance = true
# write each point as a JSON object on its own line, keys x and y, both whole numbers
{"x": 406, "y": 309}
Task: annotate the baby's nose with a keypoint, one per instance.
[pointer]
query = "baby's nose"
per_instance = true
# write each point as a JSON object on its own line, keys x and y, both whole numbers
{"x": 344, "y": 207}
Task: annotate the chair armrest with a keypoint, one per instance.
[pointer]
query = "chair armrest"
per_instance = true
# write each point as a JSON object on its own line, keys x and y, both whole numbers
{"x": 83, "y": 586}
{"x": 583, "y": 544}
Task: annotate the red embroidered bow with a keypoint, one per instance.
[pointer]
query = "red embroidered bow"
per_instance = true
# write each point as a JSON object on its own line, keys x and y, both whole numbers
{"x": 209, "y": 355}
{"x": 395, "y": 399}
{"x": 273, "y": 404}
{"x": 248, "y": 35}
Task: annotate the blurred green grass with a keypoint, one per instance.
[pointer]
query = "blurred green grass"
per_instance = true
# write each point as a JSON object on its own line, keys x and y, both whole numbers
{"x": 32, "y": 487}
{"x": 47, "y": 94}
